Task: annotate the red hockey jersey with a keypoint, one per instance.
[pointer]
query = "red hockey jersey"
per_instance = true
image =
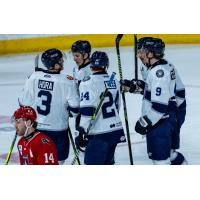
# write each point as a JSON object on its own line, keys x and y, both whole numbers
{"x": 37, "y": 149}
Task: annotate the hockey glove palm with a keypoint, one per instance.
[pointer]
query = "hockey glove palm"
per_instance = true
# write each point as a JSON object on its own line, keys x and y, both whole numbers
{"x": 140, "y": 85}
{"x": 133, "y": 86}
{"x": 143, "y": 125}
{"x": 81, "y": 140}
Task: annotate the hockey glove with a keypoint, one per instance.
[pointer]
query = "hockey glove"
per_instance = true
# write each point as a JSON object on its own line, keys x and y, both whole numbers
{"x": 77, "y": 121}
{"x": 140, "y": 85}
{"x": 133, "y": 86}
{"x": 128, "y": 86}
{"x": 143, "y": 125}
{"x": 81, "y": 140}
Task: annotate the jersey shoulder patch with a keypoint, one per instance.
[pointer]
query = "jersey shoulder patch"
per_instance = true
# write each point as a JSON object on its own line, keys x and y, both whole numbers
{"x": 160, "y": 73}
{"x": 44, "y": 140}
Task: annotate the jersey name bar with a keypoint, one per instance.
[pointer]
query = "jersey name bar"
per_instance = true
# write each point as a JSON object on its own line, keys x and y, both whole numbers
{"x": 45, "y": 85}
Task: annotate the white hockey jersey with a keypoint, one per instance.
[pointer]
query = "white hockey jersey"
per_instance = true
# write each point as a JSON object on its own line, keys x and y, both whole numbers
{"x": 80, "y": 74}
{"x": 159, "y": 93}
{"x": 179, "y": 88}
{"x": 144, "y": 71}
{"x": 52, "y": 96}
{"x": 107, "y": 120}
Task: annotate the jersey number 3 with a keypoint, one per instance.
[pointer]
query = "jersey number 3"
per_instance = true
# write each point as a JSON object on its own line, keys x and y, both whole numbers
{"x": 45, "y": 108}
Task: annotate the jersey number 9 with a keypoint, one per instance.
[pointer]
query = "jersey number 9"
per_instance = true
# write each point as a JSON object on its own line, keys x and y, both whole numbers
{"x": 158, "y": 91}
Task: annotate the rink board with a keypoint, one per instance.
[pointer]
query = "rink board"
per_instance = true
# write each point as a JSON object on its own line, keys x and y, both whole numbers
{"x": 64, "y": 42}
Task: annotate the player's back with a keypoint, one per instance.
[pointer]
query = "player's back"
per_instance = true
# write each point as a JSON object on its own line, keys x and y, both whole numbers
{"x": 51, "y": 94}
{"x": 91, "y": 90}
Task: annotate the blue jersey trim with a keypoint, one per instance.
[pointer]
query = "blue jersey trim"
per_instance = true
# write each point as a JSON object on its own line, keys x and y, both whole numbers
{"x": 74, "y": 110}
{"x": 161, "y": 108}
{"x": 111, "y": 137}
{"x": 87, "y": 111}
{"x": 182, "y": 106}
{"x": 147, "y": 95}
{"x": 181, "y": 93}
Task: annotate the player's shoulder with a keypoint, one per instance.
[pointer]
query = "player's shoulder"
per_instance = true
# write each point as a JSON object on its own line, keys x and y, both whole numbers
{"x": 40, "y": 75}
{"x": 42, "y": 138}
{"x": 87, "y": 80}
{"x": 161, "y": 69}
{"x": 33, "y": 75}
{"x": 65, "y": 79}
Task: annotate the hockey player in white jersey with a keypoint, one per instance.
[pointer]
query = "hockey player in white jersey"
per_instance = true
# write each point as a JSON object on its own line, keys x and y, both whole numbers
{"x": 53, "y": 96}
{"x": 107, "y": 130}
{"x": 158, "y": 119}
{"x": 81, "y": 51}
{"x": 176, "y": 157}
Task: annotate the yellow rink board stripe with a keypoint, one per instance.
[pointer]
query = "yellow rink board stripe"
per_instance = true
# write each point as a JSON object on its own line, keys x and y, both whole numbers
{"x": 64, "y": 42}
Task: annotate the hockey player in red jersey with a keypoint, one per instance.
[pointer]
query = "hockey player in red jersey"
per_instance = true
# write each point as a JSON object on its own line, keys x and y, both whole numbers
{"x": 34, "y": 147}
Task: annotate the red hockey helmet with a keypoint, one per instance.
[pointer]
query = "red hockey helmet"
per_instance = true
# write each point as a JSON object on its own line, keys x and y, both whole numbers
{"x": 25, "y": 112}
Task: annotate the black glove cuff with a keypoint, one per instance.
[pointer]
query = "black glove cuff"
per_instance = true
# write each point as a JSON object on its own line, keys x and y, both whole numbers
{"x": 81, "y": 131}
{"x": 145, "y": 121}
{"x": 143, "y": 125}
{"x": 141, "y": 84}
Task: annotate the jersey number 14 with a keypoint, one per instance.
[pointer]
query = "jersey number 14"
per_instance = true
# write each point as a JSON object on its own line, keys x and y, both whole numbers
{"x": 48, "y": 158}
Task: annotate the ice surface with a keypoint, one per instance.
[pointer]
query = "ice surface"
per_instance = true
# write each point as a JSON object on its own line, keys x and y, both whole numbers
{"x": 15, "y": 69}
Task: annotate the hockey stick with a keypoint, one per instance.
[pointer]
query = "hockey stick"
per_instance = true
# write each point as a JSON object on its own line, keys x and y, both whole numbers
{"x": 94, "y": 116}
{"x": 11, "y": 149}
{"x": 117, "y": 41}
{"x": 136, "y": 59}
{"x": 76, "y": 152}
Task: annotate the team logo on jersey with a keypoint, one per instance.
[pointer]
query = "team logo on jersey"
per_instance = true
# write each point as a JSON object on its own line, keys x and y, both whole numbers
{"x": 111, "y": 86}
{"x": 47, "y": 76}
{"x": 160, "y": 73}
{"x": 112, "y": 125}
{"x": 45, "y": 85}
{"x": 45, "y": 140}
